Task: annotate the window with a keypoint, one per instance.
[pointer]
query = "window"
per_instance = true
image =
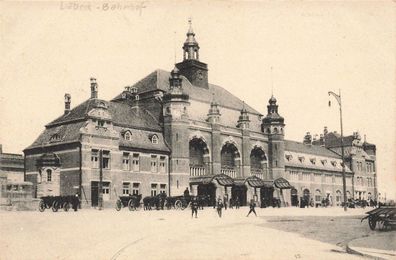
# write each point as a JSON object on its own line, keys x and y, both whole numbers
{"x": 306, "y": 177}
{"x": 154, "y": 189}
{"x": 125, "y": 161}
{"x": 49, "y": 175}
{"x": 318, "y": 178}
{"x": 328, "y": 179}
{"x": 338, "y": 180}
{"x": 162, "y": 164}
{"x": 135, "y": 162}
{"x": 55, "y": 137}
{"x": 95, "y": 158}
{"x": 135, "y": 188}
{"x": 40, "y": 176}
{"x": 106, "y": 160}
{"x": 106, "y": 191}
{"x": 153, "y": 163}
{"x": 154, "y": 139}
{"x": 162, "y": 188}
{"x": 100, "y": 123}
{"x": 334, "y": 163}
{"x": 313, "y": 160}
{"x": 128, "y": 136}
{"x": 293, "y": 175}
{"x": 125, "y": 188}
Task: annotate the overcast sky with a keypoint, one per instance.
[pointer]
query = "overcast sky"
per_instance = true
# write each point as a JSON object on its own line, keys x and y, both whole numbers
{"x": 48, "y": 49}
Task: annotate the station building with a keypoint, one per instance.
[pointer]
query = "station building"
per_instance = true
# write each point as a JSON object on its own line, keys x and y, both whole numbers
{"x": 173, "y": 130}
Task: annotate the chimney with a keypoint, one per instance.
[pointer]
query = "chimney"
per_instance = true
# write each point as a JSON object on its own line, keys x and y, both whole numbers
{"x": 307, "y": 138}
{"x": 325, "y": 131}
{"x": 94, "y": 88}
{"x": 67, "y": 103}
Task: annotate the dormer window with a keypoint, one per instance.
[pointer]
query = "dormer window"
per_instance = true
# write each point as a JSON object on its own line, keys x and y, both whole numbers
{"x": 301, "y": 159}
{"x": 55, "y": 138}
{"x": 154, "y": 139}
{"x": 288, "y": 157}
{"x": 100, "y": 123}
{"x": 134, "y": 90}
{"x": 334, "y": 163}
{"x": 128, "y": 136}
{"x": 313, "y": 160}
{"x": 323, "y": 161}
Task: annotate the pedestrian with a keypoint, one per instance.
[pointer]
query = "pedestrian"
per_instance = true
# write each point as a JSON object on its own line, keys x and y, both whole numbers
{"x": 194, "y": 207}
{"x": 220, "y": 205}
{"x": 186, "y": 192}
{"x": 225, "y": 203}
{"x": 76, "y": 202}
{"x": 237, "y": 202}
{"x": 252, "y": 205}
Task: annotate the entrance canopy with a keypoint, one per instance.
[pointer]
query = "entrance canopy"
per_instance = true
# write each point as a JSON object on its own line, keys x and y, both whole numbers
{"x": 282, "y": 183}
{"x": 256, "y": 182}
{"x": 222, "y": 179}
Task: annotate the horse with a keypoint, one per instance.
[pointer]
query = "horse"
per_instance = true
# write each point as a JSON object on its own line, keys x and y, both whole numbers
{"x": 157, "y": 201}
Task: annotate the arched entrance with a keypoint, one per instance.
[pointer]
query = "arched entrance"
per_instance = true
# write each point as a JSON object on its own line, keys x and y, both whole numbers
{"x": 267, "y": 196}
{"x": 230, "y": 159}
{"x": 294, "y": 197}
{"x": 199, "y": 157}
{"x": 305, "y": 199}
{"x": 238, "y": 192}
{"x": 208, "y": 189}
{"x": 258, "y": 163}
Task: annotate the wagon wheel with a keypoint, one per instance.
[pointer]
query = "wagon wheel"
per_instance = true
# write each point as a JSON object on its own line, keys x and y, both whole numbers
{"x": 372, "y": 222}
{"x": 118, "y": 205}
{"x": 131, "y": 205}
{"x": 55, "y": 206}
{"x": 178, "y": 204}
{"x": 66, "y": 206}
{"x": 41, "y": 206}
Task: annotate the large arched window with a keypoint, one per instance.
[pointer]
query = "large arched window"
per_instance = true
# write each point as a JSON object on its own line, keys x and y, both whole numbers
{"x": 257, "y": 158}
{"x": 197, "y": 149}
{"x": 229, "y": 153}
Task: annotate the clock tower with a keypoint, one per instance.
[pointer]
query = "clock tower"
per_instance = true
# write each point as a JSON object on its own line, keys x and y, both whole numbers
{"x": 193, "y": 69}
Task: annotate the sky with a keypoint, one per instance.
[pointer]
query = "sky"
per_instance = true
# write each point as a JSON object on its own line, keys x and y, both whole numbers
{"x": 52, "y": 48}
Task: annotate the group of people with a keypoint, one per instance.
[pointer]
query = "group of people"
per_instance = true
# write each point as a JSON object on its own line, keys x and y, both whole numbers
{"x": 219, "y": 205}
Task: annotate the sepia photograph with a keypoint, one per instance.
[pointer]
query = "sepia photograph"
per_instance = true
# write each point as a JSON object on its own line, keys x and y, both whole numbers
{"x": 197, "y": 129}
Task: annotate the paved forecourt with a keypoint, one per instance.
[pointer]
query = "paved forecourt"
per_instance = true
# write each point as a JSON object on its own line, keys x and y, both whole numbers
{"x": 108, "y": 234}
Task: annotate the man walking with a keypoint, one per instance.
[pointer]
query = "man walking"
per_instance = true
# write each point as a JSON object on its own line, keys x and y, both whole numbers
{"x": 194, "y": 207}
{"x": 252, "y": 205}
{"x": 220, "y": 205}
{"x": 237, "y": 202}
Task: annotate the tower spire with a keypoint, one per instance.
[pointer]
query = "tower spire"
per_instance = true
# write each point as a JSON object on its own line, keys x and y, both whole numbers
{"x": 190, "y": 47}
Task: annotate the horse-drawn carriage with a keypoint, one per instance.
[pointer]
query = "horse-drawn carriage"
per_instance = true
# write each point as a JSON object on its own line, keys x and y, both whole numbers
{"x": 384, "y": 216}
{"x": 130, "y": 201}
{"x": 58, "y": 202}
{"x": 177, "y": 202}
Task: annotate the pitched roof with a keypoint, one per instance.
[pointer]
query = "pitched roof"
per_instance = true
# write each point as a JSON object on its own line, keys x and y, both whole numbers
{"x": 334, "y": 140}
{"x": 294, "y": 146}
{"x": 67, "y": 133}
{"x": 122, "y": 114}
{"x": 159, "y": 80}
{"x": 141, "y": 139}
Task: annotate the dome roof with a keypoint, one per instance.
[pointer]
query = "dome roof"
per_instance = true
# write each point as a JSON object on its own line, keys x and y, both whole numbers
{"x": 272, "y": 100}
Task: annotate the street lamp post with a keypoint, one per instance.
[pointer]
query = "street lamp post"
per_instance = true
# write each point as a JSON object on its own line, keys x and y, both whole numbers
{"x": 338, "y": 98}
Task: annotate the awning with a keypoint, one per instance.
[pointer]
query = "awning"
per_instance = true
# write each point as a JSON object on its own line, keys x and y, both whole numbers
{"x": 282, "y": 183}
{"x": 222, "y": 179}
{"x": 256, "y": 182}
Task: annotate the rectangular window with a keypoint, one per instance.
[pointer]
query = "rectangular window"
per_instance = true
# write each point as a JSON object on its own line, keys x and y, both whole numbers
{"x": 100, "y": 123}
{"x": 135, "y": 188}
{"x": 49, "y": 175}
{"x": 135, "y": 162}
{"x": 306, "y": 177}
{"x": 318, "y": 178}
{"x": 162, "y": 164}
{"x": 125, "y": 188}
{"x": 154, "y": 189}
{"x": 106, "y": 191}
{"x": 125, "y": 161}
{"x": 106, "y": 160}
{"x": 153, "y": 163}
{"x": 329, "y": 179}
{"x": 162, "y": 188}
{"x": 95, "y": 158}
